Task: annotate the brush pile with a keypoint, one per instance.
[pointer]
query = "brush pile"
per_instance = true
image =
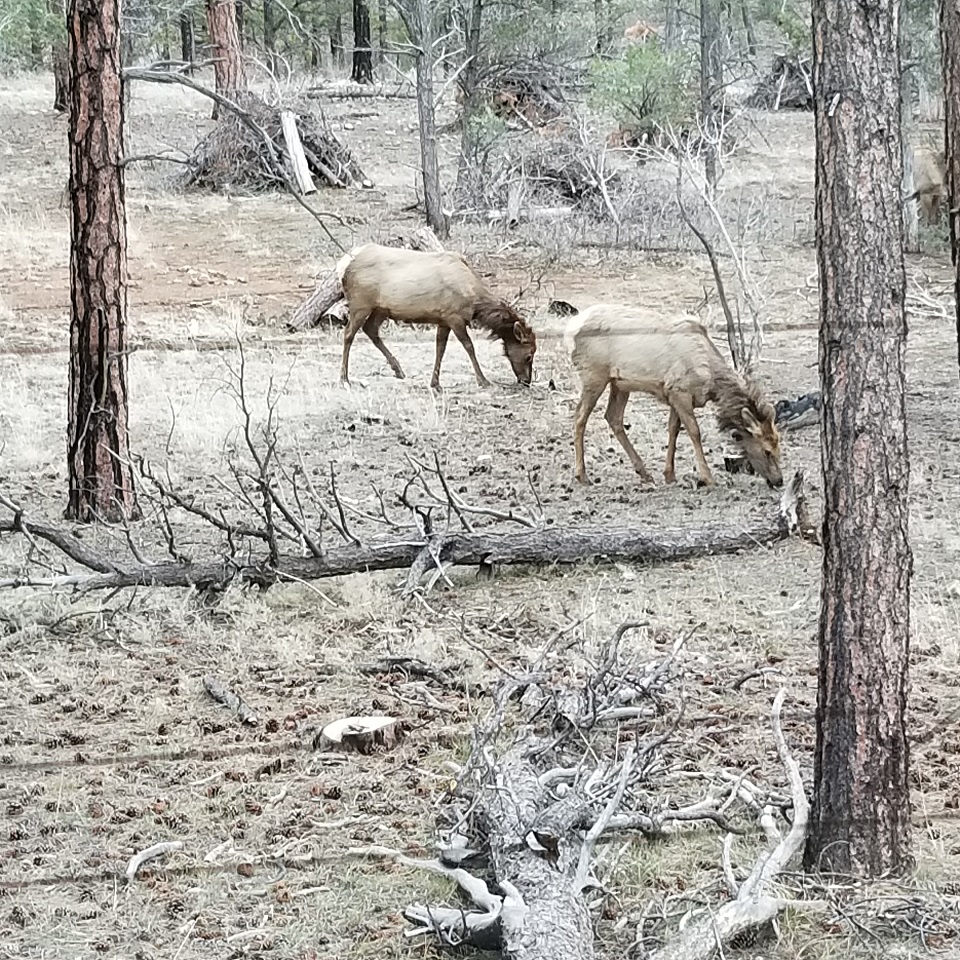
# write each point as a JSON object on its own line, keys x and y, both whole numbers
{"x": 247, "y": 150}
{"x": 788, "y": 86}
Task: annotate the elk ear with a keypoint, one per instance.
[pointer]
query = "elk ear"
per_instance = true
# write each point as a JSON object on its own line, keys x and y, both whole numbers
{"x": 750, "y": 421}
{"x": 519, "y": 332}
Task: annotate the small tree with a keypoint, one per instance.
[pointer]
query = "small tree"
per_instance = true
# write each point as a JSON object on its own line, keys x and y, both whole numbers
{"x": 860, "y": 821}
{"x": 100, "y": 478}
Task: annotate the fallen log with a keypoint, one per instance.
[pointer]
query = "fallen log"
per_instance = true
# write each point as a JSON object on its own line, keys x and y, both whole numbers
{"x": 477, "y": 549}
{"x": 329, "y": 291}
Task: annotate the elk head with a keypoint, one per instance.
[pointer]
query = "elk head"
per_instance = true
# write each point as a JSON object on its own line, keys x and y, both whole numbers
{"x": 759, "y": 440}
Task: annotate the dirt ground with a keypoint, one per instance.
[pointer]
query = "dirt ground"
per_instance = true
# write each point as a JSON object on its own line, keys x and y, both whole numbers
{"x": 108, "y": 743}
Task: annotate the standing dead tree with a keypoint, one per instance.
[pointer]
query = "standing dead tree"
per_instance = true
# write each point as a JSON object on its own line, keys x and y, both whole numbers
{"x": 419, "y": 18}
{"x": 950, "y": 59}
{"x": 555, "y": 770}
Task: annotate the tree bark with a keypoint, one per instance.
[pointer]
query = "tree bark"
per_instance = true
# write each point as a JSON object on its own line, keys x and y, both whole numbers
{"x": 61, "y": 78}
{"x": 188, "y": 43}
{"x": 418, "y": 18}
{"x": 241, "y": 23}
{"x": 270, "y": 35}
{"x": 861, "y": 810}
{"x": 362, "y": 44}
{"x": 711, "y": 83}
{"x": 228, "y": 67}
{"x": 381, "y": 31}
{"x": 100, "y": 479}
{"x": 950, "y": 59}
{"x": 472, "y": 13}
{"x": 911, "y": 209}
{"x": 335, "y": 29}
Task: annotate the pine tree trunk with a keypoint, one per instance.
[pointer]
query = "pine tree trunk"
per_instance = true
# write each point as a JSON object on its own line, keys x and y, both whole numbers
{"x": 950, "y": 58}
{"x": 188, "y": 43}
{"x": 228, "y": 67}
{"x": 860, "y": 821}
{"x": 100, "y": 478}
{"x": 362, "y": 44}
{"x": 335, "y": 29}
{"x": 465, "y": 190}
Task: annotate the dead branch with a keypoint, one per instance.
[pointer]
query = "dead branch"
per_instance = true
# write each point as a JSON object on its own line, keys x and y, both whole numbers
{"x": 225, "y": 696}
{"x": 756, "y": 902}
{"x": 479, "y": 549}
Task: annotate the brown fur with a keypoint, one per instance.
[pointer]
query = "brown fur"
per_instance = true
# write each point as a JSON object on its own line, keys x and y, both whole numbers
{"x": 673, "y": 359}
{"x": 438, "y": 289}
{"x": 640, "y": 32}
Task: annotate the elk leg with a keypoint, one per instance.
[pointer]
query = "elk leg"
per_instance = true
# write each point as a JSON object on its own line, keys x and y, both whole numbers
{"x": 354, "y": 323}
{"x": 589, "y": 396}
{"x": 461, "y": 334}
{"x": 673, "y": 431}
{"x": 443, "y": 334}
{"x": 616, "y": 407}
{"x": 372, "y": 329}
{"x": 684, "y": 410}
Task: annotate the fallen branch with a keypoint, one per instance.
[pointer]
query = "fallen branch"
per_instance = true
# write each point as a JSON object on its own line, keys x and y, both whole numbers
{"x": 151, "y": 853}
{"x": 756, "y": 901}
{"x": 542, "y": 546}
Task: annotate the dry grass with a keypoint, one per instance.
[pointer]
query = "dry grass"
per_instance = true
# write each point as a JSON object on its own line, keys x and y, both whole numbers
{"x": 107, "y": 684}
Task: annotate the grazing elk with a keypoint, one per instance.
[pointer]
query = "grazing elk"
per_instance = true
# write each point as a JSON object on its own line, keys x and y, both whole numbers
{"x": 929, "y": 178}
{"x": 672, "y": 359}
{"x": 428, "y": 288}
{"x": 640, "y": 32}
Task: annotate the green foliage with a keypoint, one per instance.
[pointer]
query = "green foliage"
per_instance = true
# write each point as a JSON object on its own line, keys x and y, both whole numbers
{"x": 648, "y": 88}
{"x": 28, "y": 28}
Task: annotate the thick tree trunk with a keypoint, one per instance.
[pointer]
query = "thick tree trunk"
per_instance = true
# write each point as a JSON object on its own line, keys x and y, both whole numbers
{"x": 861, "y": 811}
{"x": 711, "y": 83}
{"x": 188, "y": 43}
{"x": 748, "y": 28}
{"x": 228, "y": 67}
{"x": 100, "y": 479}
{"x": 950, "y": 58}
{"x": 362, "y": 44}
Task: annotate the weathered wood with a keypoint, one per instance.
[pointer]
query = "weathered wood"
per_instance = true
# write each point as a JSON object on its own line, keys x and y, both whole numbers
{"x": 950, "y": 60}
{"x": 556, "y": 922}
{"x": 298, "y": 160}
{"x": 543, "y": 546}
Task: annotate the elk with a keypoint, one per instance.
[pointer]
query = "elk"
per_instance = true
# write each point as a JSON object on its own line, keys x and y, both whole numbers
{"x": 640, "y": 32}
{"x": 929, "y": 176}
{"x": 440, "y": 289}
{"x": 673, "y": 359}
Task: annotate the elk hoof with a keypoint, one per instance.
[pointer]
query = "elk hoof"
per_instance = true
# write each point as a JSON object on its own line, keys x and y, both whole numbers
{"x": 669, "y": 477}
{"x": 399, "y": 374}
{"x": 645, "y": 479}
{"x": 582, "y": 478}
{"x": 705, "y": 482}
